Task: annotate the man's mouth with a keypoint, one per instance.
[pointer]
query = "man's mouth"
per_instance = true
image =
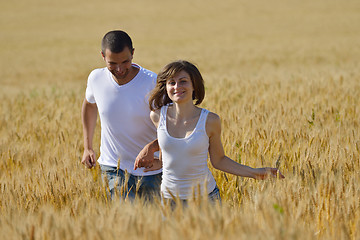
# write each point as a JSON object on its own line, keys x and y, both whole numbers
{"x": 121, "y": 75}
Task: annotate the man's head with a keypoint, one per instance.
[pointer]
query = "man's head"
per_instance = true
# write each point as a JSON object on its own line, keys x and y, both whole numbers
{"x": 117, "y": 51}
{"x": 116, "y": 41}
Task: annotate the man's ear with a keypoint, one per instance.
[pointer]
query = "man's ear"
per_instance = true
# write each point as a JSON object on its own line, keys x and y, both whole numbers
{"x": 102, "y": 54}
{"x": 132, "y": 52}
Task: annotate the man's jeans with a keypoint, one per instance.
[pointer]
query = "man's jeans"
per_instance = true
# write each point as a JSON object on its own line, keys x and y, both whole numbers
{"x": 129, "y": 186}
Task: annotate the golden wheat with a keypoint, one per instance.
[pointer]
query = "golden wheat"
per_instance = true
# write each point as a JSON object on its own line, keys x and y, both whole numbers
{"x": 283, "y": 75}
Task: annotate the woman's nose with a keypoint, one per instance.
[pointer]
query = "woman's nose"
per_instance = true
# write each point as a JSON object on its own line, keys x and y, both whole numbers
{"x": 177, "y": 85}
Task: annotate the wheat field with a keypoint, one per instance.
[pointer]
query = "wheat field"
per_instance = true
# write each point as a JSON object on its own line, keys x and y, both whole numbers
{"x": 283, "y": 75}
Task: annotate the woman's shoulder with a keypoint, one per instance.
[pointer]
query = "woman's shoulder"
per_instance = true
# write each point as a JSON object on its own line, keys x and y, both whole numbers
{"x": 155, "y": 115}
{"x": 212, "y": 117}
{"x": 213, "y": 123}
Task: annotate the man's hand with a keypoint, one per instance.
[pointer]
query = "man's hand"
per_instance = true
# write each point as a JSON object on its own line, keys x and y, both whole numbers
{"x": 88, "y": 158}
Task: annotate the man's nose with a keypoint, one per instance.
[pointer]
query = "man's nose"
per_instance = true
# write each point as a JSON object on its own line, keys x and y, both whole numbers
{"x": 118, "y": 68}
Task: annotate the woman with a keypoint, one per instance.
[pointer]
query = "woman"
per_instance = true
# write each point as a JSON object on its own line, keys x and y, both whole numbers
{"x": 187, "y": 134}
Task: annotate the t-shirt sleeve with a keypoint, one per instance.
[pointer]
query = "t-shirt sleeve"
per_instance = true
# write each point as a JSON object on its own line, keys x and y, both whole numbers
{"x": 154, "y": 79}
{"x": 89, "y": 94}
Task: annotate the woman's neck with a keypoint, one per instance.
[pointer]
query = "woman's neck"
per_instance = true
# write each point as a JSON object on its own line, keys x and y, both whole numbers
{"x": 184, "y": 111}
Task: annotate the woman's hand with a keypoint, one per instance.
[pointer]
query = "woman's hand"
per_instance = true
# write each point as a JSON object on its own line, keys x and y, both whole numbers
{"x": 156, "y": 165}
{"x": 263, "y": 173}
{"x": 145, "y": 158}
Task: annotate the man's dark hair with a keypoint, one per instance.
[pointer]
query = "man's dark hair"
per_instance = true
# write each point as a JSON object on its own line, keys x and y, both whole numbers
{"x": 116, "y": 41}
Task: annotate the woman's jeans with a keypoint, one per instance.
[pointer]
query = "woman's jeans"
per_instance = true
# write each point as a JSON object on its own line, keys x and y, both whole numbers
{"x": 213, "y": 197}
{"x": 129, "y": 186}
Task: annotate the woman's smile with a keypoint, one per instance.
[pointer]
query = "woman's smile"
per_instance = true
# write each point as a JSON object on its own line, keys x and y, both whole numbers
{"x": 180, "y": 87}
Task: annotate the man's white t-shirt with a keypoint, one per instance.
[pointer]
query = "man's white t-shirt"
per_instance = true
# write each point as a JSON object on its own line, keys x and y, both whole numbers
{"x": 124, "y": 112}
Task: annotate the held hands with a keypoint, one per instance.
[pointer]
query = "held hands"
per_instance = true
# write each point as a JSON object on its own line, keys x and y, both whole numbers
{"x": 263, "y": 173}
{"x": 156, "y": 165}
{"x": 88, "y": 158}
{"x": 144, "y": 159}
{"x": 151, "y": 165}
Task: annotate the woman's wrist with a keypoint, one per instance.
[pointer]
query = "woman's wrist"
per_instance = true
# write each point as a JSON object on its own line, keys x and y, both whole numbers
{"x": 153, "y": 146}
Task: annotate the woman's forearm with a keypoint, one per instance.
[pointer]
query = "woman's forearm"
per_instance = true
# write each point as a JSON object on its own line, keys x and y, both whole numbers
{"x": 228, "y": 165}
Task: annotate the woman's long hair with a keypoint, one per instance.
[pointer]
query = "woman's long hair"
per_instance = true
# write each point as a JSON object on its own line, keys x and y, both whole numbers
{"x": 159, "y": 96}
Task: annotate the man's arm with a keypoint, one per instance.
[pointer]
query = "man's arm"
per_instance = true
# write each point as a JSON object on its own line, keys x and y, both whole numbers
{"x": 88, "y": 117}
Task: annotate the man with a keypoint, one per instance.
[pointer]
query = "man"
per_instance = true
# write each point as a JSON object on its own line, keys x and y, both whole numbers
{"x": 119, "y": 92}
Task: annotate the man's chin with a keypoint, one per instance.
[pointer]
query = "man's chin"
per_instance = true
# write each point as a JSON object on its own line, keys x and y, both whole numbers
{"x": 120, "y": 77}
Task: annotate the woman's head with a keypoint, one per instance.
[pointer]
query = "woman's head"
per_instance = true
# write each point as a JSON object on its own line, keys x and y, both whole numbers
{"x": 159, "y": 96}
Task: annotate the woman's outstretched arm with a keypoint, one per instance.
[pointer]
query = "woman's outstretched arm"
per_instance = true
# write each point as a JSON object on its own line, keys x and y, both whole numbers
{"x": 224, "y": 163}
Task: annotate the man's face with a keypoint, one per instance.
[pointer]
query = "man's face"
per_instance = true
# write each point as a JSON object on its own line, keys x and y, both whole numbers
{"x": 119, "y": 64}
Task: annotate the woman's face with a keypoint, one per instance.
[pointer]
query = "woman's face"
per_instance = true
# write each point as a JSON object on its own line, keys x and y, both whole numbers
{"x": 180, "y": 88}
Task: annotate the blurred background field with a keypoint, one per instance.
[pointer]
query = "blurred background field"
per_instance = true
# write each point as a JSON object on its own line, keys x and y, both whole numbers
{"x": 283, "y": 75}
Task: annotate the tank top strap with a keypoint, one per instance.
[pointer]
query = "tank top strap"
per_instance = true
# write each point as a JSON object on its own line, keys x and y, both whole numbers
{"x": 163, "y": 112}
{"x": 202, "y": 120}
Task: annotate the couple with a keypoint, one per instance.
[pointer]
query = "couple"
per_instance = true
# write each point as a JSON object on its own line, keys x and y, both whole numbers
{"x": 135, "y": 127}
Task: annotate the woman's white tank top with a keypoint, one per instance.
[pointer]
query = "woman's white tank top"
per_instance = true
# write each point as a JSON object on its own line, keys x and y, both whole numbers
{"x": 185, "y": 169}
